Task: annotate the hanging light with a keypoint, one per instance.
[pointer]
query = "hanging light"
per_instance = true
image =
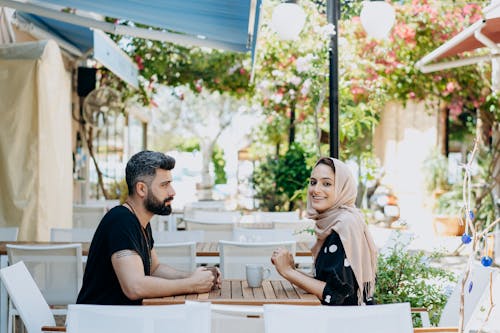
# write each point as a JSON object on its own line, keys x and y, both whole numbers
{"x": 288, "y": 20}
{"x": 377, "y": 18}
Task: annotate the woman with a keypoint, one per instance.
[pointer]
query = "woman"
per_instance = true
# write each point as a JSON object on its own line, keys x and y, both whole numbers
{"x": 345, "y": 257}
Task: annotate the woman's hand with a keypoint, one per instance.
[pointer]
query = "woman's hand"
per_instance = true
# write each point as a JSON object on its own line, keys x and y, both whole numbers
{"x": 282, "y": 259}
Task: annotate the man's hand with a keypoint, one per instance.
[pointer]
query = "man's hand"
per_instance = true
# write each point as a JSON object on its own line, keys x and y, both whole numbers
{"x": 202, "y": 280}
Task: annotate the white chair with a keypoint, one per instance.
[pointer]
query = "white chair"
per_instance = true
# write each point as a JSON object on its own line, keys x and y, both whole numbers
{"x": 480, "y": 277}
{"x": 261, "y": 235}
{"x": 235, "y": 255}
{"x": 191, "y": 317}
{"x": 196, "y": 236}
{"x": 301, "y": 229}
{"x": 71, "y": 234}
{"x": 26, "y": 298}
{"x": 213, "y": 231}
{"x": 237, "y": 318}
{"x": 8, "y": 234}
{"x": 219, "y": 217}
{"x": 387, "y": 318}
{"x": 181, "y": 256}
{"x": 486, "y": 314}
{"x": 273, "y": 216}
{"x": 56, "y": 269}
{"x": 88, "y": 216}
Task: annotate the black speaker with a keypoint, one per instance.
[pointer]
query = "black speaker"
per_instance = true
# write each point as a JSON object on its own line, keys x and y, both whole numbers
{"x": 86, "y": 81}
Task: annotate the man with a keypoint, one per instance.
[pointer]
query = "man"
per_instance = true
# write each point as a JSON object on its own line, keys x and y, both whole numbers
{"x": 122, "y": 266}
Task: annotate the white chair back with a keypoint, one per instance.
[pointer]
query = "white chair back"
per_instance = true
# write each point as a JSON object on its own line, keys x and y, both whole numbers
{"x": 181, "y": 256}
{"x": 71, "y": 234}
{"x": 56, "y": 269}
{"x": 476, "y": 284}
{"x": 237, "y": 318}
{"x": 196, "y": 236}
{"x": 387, "y": 318}
{"x": 8, "y": 234}
{"x": 219, "y": 217}
{"x": 27, "y": 298}
{"x": 191, "y": 317}
{"x": 235, "y": 255}
{"x": 301, "y": 229}
{"x": 261, "y": 235}
{"x": 486, "y": 314}
{"x": 213, "y": 231}
{"x": 274, "y": 216}
{"x": 88, "y": 216}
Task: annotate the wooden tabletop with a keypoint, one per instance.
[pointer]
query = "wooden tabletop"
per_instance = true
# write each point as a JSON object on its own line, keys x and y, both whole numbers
{"x": 205, "y": 249}
{"x": 237, "y": 292}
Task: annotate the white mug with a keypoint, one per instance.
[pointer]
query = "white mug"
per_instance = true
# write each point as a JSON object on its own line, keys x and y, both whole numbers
{"x": 255, "y": 274}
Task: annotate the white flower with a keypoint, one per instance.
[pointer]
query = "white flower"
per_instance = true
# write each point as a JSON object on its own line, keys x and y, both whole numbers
{"x": 277, "y": 98}
{"x": 295, "y": 80}
{"x": 277, "y": 73}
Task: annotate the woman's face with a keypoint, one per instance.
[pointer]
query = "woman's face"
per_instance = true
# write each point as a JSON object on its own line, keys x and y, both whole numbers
{"x": 321, "y": 188}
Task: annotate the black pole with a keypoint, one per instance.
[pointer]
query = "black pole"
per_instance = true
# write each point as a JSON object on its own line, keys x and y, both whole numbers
{"x": 333, "y": 13}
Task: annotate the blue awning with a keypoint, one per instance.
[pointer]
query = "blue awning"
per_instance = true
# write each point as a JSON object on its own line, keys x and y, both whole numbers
{"x": 224, "y": 24}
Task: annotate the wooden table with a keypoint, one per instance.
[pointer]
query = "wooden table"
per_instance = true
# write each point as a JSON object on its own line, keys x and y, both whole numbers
{"x": 3, "y": 245}
{"x": 237, "y": 292}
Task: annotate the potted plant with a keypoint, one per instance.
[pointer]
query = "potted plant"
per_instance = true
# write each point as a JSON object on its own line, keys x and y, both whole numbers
{"x": 448, "y": 207}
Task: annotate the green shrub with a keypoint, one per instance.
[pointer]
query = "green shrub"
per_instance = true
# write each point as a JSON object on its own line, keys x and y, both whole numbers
{"x": 414, "y": 278}
{"x": 277, "y": 179}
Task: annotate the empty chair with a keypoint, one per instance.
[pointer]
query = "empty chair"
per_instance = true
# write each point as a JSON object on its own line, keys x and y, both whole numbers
{"x": 191, "y": 317}
{"x": 271, "y": 216}
{"x": 178, "y": 236}
{"x": 211, "y": 216}
{"x": 261, "y": 235}
{"x": 481, "y": 317}
{"x": 26, "y": 298}
{"x": 56, "y": 269}
{"x": 8, "y": 234}
{"x": 181, "y": 256}
{"x": 88, "y": 216}
{"x": 237, "y": 318}
{"x": 302, "y": 230}
{"x": 387, "y": 318}
{"x": 235, "y": 255}
{"x": 71, "y": 234}
{"x": 213, "y": 231}
{"x": 477, "y": 282}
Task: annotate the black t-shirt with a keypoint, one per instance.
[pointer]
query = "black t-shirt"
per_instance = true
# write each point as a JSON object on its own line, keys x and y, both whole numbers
{"x": 333, "y": 267}
{"x": 118, "y": 230}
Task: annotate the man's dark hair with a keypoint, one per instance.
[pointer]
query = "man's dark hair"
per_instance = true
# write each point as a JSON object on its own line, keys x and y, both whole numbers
{"x": 142, "y": 167}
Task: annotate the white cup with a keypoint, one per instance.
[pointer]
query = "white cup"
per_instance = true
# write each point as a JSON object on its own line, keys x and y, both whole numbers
{"x": 255, "y": 274}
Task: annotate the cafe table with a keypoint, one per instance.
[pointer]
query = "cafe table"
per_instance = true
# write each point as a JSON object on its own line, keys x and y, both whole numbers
{"x": 206, "y": 253}
{"x": 237, "y": 292}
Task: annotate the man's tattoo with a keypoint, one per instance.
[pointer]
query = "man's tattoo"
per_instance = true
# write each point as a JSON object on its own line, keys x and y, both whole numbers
{"x": 124, "y": 253}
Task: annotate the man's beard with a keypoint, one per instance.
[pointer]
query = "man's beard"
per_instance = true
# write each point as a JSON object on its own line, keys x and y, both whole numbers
{"x": 155, "y": 206}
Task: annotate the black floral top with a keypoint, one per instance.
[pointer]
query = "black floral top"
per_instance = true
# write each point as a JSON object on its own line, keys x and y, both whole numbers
{"x": 333, "y": 268}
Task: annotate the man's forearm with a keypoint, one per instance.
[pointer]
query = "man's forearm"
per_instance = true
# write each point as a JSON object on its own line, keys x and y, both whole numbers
{"x": 168, "y": 272}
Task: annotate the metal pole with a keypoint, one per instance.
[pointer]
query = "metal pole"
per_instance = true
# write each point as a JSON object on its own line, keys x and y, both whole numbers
{"x": 333, "y": 13}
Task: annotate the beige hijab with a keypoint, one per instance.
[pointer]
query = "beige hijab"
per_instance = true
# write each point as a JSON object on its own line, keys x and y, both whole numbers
{"x": 348, "y": 222}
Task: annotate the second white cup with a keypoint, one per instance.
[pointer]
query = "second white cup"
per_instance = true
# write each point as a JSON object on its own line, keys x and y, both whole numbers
{"x": 255, "y": 274}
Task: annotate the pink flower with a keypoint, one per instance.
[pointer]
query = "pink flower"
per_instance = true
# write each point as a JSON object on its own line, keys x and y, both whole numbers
{"x": 411, "y": 95}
